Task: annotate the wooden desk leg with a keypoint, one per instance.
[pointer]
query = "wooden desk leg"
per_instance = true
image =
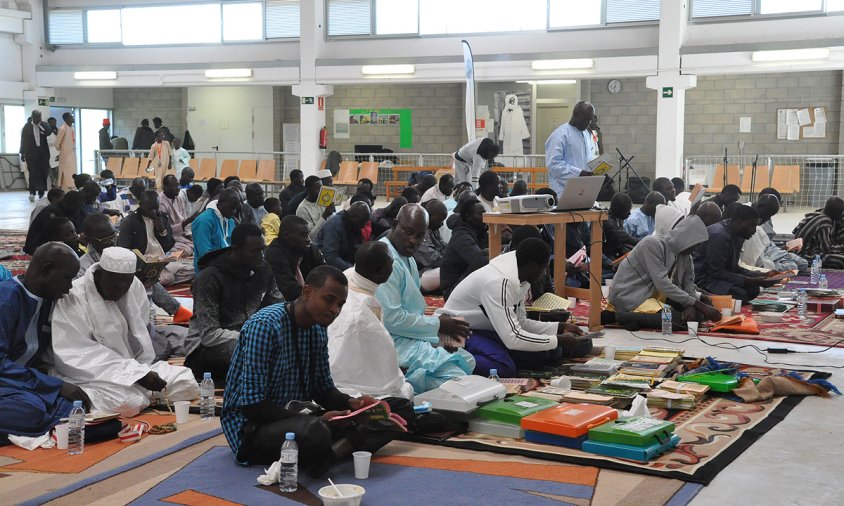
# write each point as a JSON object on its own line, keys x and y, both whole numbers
{"x": 595, "y": 269}
{"x": 560, "y": 259}
{"x": 494, "y": 240}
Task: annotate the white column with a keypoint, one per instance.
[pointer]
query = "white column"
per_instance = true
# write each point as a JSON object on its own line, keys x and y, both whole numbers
{"x": 309, "y": 91}
{"x": 671, "y": 87}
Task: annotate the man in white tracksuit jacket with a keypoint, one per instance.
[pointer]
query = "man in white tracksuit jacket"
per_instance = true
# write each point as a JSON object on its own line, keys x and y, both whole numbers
{"x": 491, "y": 300}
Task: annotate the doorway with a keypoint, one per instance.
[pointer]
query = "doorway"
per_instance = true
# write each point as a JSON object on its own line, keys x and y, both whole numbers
{"x": 548, "y": 118}
{"x": 90, "y": 123}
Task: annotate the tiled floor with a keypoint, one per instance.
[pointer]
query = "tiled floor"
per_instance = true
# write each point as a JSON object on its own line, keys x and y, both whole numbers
{"x": 795, "y": 463}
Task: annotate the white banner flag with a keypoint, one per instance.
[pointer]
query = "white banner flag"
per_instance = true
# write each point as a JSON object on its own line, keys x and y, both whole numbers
{"x": 470, "y": 90}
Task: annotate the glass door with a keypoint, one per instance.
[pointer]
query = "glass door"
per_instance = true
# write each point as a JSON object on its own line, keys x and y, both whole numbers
{"x": 90, "y": 121}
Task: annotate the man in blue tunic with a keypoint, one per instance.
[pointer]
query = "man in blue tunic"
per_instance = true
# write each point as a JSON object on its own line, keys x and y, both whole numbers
{"x": 31, "y": 402}
{"x": 567, "y": 151}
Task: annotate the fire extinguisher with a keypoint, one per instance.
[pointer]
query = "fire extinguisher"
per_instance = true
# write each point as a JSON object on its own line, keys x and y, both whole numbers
{"x": 323, "y": 138}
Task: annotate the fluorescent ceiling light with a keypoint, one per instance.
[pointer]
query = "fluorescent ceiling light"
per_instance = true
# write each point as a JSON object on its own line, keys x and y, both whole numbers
{"x": 579, "y": 63}
{"x": 550, "y": 81}
{"x": 815, "y": 53}
{"x": 99, "y": 75}
{"x": 371, "y": 70}
{"x": 225, "y": 73}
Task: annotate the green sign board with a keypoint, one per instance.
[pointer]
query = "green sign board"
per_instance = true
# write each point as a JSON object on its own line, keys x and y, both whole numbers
{"x": 42, "y": 101}
{"x": 307, "y": 100}
{"x": 668, "y": 92}
{"x": 405, "y": 122}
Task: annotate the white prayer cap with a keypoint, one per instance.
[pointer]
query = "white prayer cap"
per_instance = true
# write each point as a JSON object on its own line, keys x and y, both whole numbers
{"x": 118, "y": 260}
{"x": 324, "y": 173}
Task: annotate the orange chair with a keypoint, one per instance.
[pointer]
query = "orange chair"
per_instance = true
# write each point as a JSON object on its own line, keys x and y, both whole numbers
{"x": 130, "y": 168}
{"x": 228, "y": 169}
{"x": 751, "y": 184}
{"x": 348, "y": 173}
{"x": 248, "y": 170}
{"x": 369, "y": 170}
{"x": 717, "y": 180}
{"x": 193, "y": 164}
{"x": 115, "y": 165}
{"x": 733, "y": 174}
{"x": 266, "y": 171}
{"x": 207, "y": 169}
{"x": 786, "y": 179}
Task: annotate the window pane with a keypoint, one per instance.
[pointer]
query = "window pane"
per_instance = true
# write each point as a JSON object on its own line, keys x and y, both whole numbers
{"x": 104, "y": 26}
{"x": 14, "y": 119}
{"x": 178, "y": 24}
{"x": 565, "y": 13}
{"x": 348, "y": 17}
{"x": 626, "y": 11}
{"x": 715, "y": 8}
{"x": 282, "y": 19}
{"x": 784, "y": 6}
{"x": 834, "y": 5}
{"x": 396, "y": 16}
{"x": 66, "y": 27}
{"x": 243, "y": 21}
{"x": 474, "y": 16}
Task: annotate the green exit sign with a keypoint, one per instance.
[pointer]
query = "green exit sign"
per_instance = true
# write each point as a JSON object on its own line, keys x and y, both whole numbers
{"x": 307, "y": 100}
{"x": 668, "y": 92}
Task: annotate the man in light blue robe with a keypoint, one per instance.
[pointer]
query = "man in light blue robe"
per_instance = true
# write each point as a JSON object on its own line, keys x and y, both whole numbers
{"x": 31, "y": 402}
{"x": 567, "y": 152}
{"x": 420, "y": 340}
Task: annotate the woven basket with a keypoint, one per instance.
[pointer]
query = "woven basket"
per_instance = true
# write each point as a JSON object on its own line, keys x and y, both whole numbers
{"x": 722, "y": 301}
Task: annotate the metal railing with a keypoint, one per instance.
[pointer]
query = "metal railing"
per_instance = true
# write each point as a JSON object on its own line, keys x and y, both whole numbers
{"x": 803, "y": 180}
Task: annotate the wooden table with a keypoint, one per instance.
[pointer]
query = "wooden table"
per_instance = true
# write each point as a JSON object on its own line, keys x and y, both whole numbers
{"x": 559, "y": 220}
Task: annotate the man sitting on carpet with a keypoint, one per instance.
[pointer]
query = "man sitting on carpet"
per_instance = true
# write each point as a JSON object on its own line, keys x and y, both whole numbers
{"x": 212, "y": 229}
{"x": 642, "y": 221}
{"x": 468, "y": 248}
{"x": 340, "y": 237}
{"x": 429, "y": 255}
{"x": 358, "y": 336}
{"x": 32, "y": 402}
{"x": 282, "y": 356}
{"x": 234, "y": 283}
{"x": 60, "y": 229}
{"x": 708, "y": 212}
{"x": 716, "y": 260}
{"x": 175, "y": 205}
{"x": 293, "y": 256}
{"x": 822, "y": 232}
{"x": 102, "y": 342}
{"x": 491, "y": 299}
{"x": 759, "y": 252}
{"x": 617, "y": 241}
{"x": 419, "y": 340}
{"x": 69, "y": 206}
{"x": 659, "y": 271}
{"x": 148, "y": 230}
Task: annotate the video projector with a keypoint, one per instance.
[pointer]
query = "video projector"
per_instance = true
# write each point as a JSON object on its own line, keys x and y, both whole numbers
{"x": 526, "y": 204}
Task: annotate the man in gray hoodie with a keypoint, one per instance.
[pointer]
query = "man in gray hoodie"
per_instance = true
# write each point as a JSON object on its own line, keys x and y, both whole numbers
{"x": 660, "y": 267}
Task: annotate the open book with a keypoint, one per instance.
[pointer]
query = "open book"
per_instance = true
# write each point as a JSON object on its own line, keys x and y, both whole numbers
{"x": 548, "y": 302}
{"x": 149, "y": 268}
{"x": 378, "y": 413}
{"x": 329, "y": 195}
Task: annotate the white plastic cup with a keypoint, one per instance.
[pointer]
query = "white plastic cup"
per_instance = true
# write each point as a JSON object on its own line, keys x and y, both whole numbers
{"x": 692, "y": 328}
{"x": 182, "y": 411}
{"x": 605, "y": 291}
{"x": 572, "y": 302}
{"x": 737, "y": 307}
{"x": 609, "y": 352}
{"x": 362, "y": 461}
{"x": 62, "y": 432}
{"x": 726, "y": 312}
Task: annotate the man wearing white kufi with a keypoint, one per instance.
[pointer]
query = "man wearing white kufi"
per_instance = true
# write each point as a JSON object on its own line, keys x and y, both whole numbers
{"x": 101, "y": 343}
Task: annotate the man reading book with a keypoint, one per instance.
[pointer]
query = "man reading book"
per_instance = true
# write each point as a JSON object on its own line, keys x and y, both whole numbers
{"x": 282, "y": 356}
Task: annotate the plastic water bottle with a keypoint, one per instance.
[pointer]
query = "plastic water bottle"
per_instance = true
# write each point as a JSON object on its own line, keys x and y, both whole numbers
{"x": 76, "y": 432}
{"x": 288, "y": 478}
{"x": 823, "y": 283}
{"x": 802, "y": 300}
{"x": 816, "y": 269}
{"x": 666, "y": 320}
{"x": 206, "y": 397}
{"x": 493, "y": 375}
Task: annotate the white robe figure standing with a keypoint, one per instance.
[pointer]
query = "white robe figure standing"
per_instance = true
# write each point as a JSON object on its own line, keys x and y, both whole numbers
{"x": 66, "y": 144}
{"x": 513, "y": 127}
{"x": 101, "y": 341}
{"x": 361, "y": 353}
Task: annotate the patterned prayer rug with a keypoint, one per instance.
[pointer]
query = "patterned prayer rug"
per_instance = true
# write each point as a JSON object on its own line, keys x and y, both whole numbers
{"x": 713, "y": 434}
{"x": 11, "y": 256}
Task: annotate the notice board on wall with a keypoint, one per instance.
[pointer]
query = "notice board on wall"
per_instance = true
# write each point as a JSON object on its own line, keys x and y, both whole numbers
{"x": 797, "y": 124}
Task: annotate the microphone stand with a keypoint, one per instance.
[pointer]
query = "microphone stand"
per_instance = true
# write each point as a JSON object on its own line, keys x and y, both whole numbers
{"x": 753, "y": 176}
{"x": 624, "y": 164}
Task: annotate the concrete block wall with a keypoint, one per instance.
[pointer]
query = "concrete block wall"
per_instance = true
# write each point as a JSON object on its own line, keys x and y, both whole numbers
{"x": 131, "y": 105}
{"x": 437, "y": 116}
{"x": 714, "y": 108}
{"x": 627, "y": 120}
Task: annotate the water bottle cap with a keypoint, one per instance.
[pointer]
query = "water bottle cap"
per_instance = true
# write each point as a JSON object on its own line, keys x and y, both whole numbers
{"x": 206, "y": 375}
{"x": 77, "y": 404}
{"x": 290, "y": 436}
{"x": 493, "y": 372}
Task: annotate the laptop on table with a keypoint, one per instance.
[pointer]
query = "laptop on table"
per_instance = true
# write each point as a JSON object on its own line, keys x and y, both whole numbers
{"x": 580, "y": 193}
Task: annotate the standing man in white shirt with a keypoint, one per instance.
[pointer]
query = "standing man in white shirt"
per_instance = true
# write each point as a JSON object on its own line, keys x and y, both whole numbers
{"x": 474, "y": 158}
{"x": 66, "y": 144}
{"x": 181, "y": 157}
{"x": 567, "y": 152}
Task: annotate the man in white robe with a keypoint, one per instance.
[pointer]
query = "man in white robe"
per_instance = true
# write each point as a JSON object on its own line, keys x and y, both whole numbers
{"x": 101, "y": 342}
{"x": 66, "y": 144}
{"x": 361, "y": 354}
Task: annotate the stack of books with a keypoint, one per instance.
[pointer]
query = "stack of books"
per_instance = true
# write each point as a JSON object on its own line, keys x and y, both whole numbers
{"x": 635, "y": 438}
{"x": 503, "y": 417}
{"x": 641, "y": 383}
{"x": 624, "y": 353}
{"x": 658, "y": 398}
{"x": 696, "y": 390}
{"x": 566, "y": 424}
{"x": 602, "y": 366}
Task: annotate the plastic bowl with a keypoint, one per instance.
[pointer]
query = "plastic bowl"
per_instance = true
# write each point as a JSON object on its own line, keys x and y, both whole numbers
{"x": 352, "y": 495}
